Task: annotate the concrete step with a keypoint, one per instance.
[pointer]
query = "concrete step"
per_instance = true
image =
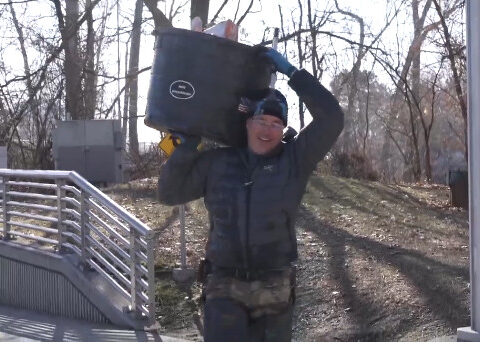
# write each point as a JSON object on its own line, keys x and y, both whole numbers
{"x": 17, "y": 325}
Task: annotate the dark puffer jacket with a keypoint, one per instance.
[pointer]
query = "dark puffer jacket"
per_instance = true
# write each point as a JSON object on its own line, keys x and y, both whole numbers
{"x": 253, "y": 202}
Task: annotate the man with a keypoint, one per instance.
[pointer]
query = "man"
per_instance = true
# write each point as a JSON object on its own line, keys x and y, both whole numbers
{"x": 252, "y": 196}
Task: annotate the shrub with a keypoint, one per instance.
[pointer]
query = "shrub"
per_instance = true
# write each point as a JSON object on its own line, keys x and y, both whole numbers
{"x": 353, "y": 165}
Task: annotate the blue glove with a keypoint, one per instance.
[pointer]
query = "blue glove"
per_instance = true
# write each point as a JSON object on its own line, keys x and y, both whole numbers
{"x": 280, "y": 63}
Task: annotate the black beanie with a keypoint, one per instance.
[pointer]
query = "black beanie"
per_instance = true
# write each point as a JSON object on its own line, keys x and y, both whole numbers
{"x": 274, "y": 104}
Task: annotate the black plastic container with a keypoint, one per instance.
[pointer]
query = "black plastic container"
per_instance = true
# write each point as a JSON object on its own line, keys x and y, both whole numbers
{"x": 196, "y": 83}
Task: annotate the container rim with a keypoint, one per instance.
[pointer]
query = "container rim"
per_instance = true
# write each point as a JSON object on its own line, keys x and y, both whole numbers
{"x": 201, "y": 35}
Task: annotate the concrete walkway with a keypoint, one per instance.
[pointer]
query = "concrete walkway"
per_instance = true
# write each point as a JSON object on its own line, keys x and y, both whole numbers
{"x": 18, "y": 325}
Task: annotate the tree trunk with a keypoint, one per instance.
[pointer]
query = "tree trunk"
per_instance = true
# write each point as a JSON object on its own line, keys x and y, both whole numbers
{"x": 301, "y": 58}
{"x": 350, "y": 138}
{"x": 89, "y": 72}
{"x": 367, "y": 117}
{"x": 159, "y": 17}
{"x": 415, "y": 91}
{"x": 199, "y": 8}
{"x": 456, "y": 78}
{"x": 400, "y": 94}
{"x": 428, "y": 164}
{"x": 73, "y": 65}
{"x": 133, "y": 79}
{"x": 33, "y": 111}
{"x": 126, "y": 98}
{"x": 313, "y": 32}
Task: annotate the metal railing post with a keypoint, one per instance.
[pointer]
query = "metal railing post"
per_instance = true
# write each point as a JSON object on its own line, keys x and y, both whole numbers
{"x": 151, "y": 275}
{"x": 84, "y": 231}
{"x": 472, "y": 333}
{"x": 135, "y": 301}
{"x": 6, "y": 215}
{"x": 61, "y": 205}
{"x": 183, "y": 244}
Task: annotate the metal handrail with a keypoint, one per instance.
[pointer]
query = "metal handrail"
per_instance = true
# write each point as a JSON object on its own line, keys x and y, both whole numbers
{"x": 98, "y": 235}
{"x": 84, "y": 185}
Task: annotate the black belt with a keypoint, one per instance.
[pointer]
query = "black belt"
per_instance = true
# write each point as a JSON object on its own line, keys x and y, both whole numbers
{"x": 247, "y": 274}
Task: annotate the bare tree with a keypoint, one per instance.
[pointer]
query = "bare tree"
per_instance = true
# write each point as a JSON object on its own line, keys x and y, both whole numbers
{"x": 215, "y": 16}
{"x": 133, "y": 79}
{"x": 159, "y": 17}
{"x": 28, "y": 116}
{"x": 452, "y": 56}
{"x": 247, "y": 11}
{"x": 427, "y": 125}
{"x": 349, "y": 137}
{"x": 89, "y": 72}
{"x": 409, "y": 92}
{"x": 73, "y": 64}
{"x": 199, "y": 8}
{"x": 80, "y": 98}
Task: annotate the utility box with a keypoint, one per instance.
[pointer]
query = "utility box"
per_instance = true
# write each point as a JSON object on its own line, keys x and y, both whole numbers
{"x": 3, "y": 157}
{"x": 92, "y": 148}
{"x": 458, "y": 182}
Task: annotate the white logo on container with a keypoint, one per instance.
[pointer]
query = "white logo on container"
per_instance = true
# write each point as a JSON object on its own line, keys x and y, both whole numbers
{"x": 182, "y": 89}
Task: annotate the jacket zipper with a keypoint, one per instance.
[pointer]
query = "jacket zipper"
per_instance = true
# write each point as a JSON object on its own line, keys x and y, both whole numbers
{"x": 248, "y": 185}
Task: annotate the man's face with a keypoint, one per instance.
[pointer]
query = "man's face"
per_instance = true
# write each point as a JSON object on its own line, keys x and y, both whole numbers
{"x": 264, "y": 133}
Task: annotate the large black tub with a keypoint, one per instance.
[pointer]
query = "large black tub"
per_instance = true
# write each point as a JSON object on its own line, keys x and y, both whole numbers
{"x": 197, "y": 81}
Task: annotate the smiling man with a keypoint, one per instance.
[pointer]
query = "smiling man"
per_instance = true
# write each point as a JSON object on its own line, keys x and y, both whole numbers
{"x": 252, "y": 195}
{"x": 265, "y": 128}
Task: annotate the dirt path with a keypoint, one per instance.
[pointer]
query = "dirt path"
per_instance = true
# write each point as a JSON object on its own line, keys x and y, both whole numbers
{"x": 377, "y": 262}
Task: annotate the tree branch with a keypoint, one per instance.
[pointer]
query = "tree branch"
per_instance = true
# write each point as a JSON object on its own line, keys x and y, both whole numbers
{"x": 217, "y": 14}
{"x": 246, "y": 12}
{"x": 159, "y": 17}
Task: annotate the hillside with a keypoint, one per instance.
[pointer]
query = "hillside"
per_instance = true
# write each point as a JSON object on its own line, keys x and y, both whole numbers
{"x": 377, "y": 262}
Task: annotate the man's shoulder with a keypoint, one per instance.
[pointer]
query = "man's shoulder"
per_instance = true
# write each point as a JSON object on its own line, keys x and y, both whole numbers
{"x": 222, "y": 153}
{"x": 223, "y": 150}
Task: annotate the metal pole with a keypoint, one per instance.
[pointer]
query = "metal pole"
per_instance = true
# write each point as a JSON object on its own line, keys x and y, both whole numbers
{"x": 61, "y": 204}
{"x": 273, "y": 78}
{"x": 473, "y": 66}
{"x": 84, "y": 231}
{"x": 183, "y": 244}
{"x": 6, "y": 215}
{"x": 134, "y": 275}
{"x": 151, "y": 276}
{"x": 183, "y": 274}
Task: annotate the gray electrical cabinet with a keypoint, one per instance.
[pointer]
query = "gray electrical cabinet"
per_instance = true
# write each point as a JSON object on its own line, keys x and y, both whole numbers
{"x": 3, "y": 157}
{"x": 93, "y": 148}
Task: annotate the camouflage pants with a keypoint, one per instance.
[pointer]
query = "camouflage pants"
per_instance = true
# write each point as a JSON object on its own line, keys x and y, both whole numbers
{"x": 239, "y": 310}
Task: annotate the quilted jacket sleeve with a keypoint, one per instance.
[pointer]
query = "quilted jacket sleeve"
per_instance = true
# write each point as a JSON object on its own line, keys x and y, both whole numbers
{"x": 183, "y": 177}
{"x": 317, "y": 138}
